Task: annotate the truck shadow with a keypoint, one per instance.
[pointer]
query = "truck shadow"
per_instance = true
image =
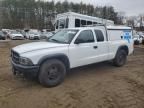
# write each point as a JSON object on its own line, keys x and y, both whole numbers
{"x": 97, "y": 68}
{"x": 76, "y": 73}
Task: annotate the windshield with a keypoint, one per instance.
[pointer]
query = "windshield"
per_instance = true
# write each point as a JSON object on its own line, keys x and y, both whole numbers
{"x": 62, "y": 23}
{"x": 63, "y": 36}
{"x": 33, "y": 32}
{"x": 15, "y": 32}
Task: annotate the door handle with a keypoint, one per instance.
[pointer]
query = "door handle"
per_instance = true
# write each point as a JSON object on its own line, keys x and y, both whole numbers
{"x": 95, "y": 47}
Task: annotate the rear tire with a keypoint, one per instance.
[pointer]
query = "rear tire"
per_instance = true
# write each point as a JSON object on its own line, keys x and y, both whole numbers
{"x": 52, "y": 73}
{"x": 121, "y": 58}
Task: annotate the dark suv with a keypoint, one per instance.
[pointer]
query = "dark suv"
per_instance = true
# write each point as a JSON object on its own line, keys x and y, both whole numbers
{"x": 2, "y": 36}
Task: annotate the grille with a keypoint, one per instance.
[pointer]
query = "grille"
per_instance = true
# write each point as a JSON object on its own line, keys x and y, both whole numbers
{"x": 36, "y": 37}
{"x": 17, "y": 36}
{"x": 15, "y": 57}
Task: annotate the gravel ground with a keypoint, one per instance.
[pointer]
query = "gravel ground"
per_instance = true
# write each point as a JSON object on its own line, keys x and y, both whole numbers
{"x": 95, "y": 86}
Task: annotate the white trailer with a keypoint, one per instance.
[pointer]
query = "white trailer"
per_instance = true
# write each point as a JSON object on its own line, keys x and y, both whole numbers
{"x": 72, "y": 20}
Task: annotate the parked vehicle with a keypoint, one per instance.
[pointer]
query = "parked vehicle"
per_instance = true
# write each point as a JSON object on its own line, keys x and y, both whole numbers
{"x": 15, "y": 35}
{"x": 25, "y": 34}
{"x": 2, "y": 36}
{"x": 141, "y": 34}
{"x": 46, "y": 35}
{"x": 69, "y": 48}
{"x": 137, "y": 39}
{"x": 34, "y": 35}
{"x": 6, "y": 33}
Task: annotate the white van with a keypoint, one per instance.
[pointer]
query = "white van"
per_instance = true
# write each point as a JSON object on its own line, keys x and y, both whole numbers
{"x": 72, "y": 20}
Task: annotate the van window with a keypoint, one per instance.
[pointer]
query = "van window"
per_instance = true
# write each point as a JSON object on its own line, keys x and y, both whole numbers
{"x": 89, "y": 22}
{"x": 77, "y": 22}
{"x": 83, "y": 22}
{"x": 94, "y": 22}
{"x": 85, "y": 36}
{"x": 99, "y": 35}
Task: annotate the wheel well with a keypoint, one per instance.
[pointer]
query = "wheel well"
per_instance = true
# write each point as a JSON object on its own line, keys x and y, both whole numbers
{"x": 62, "y": 58}
{"x": 125, "y": 48}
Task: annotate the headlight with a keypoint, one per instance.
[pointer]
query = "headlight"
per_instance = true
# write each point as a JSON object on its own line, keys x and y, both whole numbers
{"x": 25, "y": 61}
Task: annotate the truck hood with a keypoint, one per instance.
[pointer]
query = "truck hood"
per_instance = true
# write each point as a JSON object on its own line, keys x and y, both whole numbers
{"x": 36, "y": 46}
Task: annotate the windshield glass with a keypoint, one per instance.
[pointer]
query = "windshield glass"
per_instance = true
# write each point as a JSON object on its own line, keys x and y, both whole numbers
{"x": 62, "y": 23}
{"x": 15, "y": 32}
{"x": 33, "y": 32}
{"x": 63, "y": 36}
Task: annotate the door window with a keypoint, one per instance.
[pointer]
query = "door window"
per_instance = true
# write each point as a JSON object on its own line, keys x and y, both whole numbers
{"x": 99, "y": 35}
{"x": 85, "y": 36}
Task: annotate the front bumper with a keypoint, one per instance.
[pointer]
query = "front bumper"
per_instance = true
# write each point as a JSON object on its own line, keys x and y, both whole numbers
{"x": 32, "y": 70}
{"x": 18, "y": 37}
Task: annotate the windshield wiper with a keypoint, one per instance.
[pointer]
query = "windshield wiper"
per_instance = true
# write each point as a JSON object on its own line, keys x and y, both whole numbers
{"x": 55, "y": 40}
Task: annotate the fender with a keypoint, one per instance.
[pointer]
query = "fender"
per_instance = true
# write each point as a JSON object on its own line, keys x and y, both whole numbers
{"x": 59, "y": 56}
{"x": 124, "y": 47}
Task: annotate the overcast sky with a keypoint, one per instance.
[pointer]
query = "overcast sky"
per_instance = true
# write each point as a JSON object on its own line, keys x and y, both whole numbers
{"x": 130, "y": 7}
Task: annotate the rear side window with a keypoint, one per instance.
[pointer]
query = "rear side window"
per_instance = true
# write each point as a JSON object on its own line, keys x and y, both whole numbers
{"x": 86, "y": 36}
{"x": 83, "y": 22}
{"x": 89, "y": 23}
{"x": 94, "y": 22}
{"x": 99, "y": 35}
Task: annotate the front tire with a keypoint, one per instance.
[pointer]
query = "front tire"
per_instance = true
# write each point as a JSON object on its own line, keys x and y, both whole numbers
{"x": 52, "y": 73}
{"x": 120, "y": 59}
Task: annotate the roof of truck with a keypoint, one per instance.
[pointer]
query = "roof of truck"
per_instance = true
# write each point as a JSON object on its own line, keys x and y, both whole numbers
{"x": 85, "y": 28}
{"x": 118, "y": 28}
{"x": 108, "y": 27}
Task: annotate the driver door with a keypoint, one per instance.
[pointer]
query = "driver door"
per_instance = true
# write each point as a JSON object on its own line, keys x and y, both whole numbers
{"x": 83, "y": 50}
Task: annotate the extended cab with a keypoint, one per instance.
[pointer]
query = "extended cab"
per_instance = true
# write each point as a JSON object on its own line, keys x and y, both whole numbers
{"x": 70, "y": 48}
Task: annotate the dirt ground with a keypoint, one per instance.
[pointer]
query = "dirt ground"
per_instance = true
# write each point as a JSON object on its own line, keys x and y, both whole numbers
{"x": 95, "y": 86}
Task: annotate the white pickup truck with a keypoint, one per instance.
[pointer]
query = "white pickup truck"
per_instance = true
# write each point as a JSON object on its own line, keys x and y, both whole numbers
{"x": 70, "y": 48}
